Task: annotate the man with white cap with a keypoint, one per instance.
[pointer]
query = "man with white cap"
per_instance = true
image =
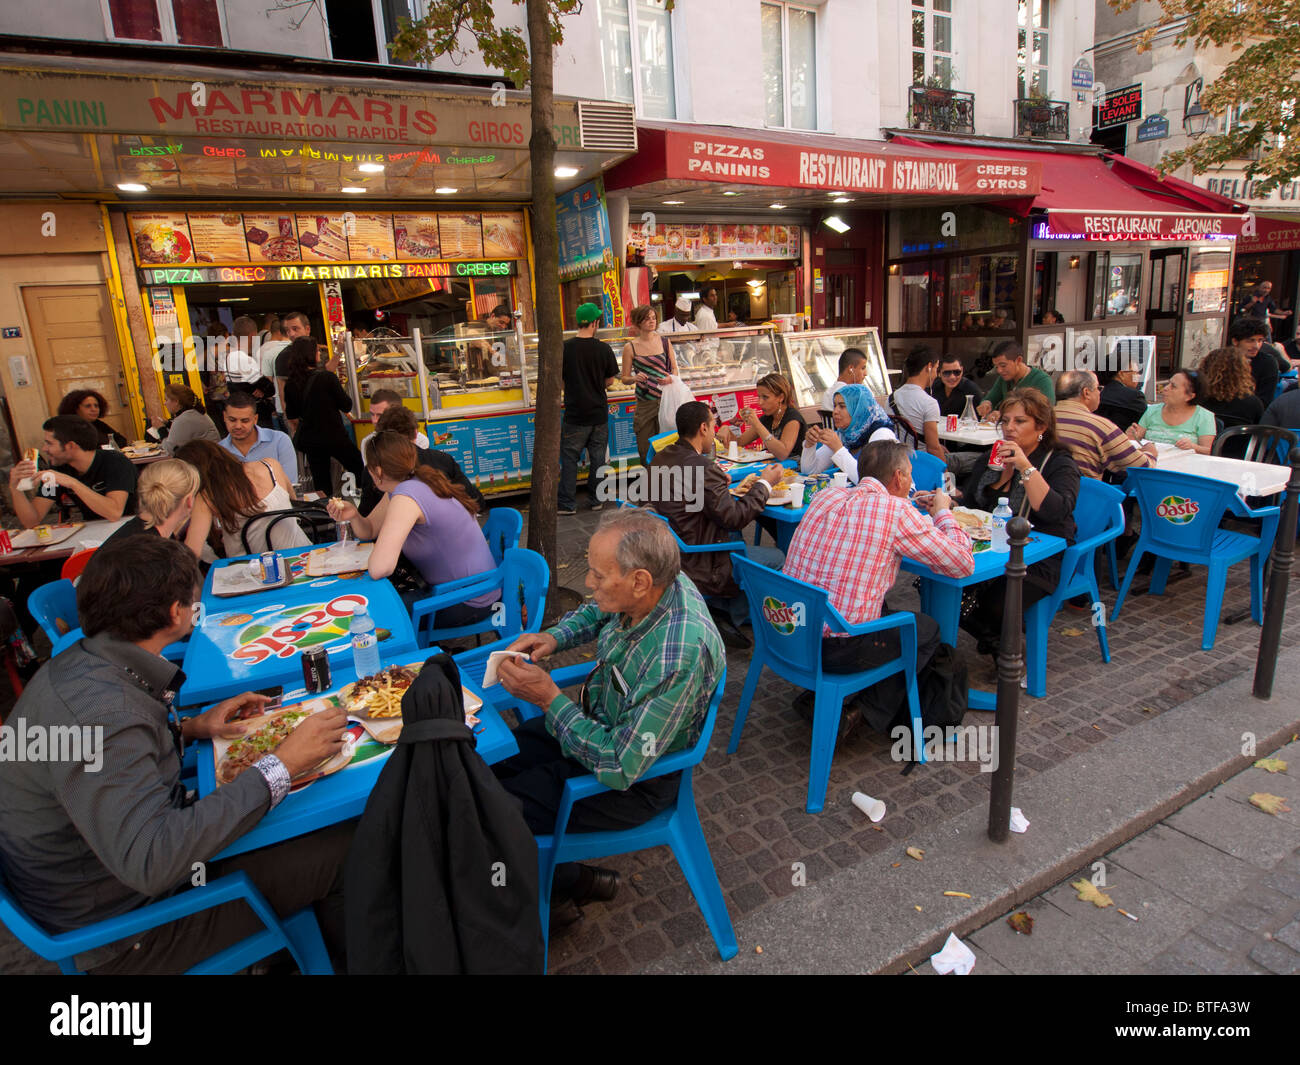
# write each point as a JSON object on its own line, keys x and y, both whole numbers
{"x": 680, "y": 322}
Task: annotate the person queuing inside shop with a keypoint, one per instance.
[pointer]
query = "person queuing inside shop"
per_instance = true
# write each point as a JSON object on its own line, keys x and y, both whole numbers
{"x": 1041, "y": 482}
{"x": 648, "y": 363}
{"x": 780, "y": 427}
{"x": 1260, "y": 304}
{"x": 81, "y": 846}
{"x": 876, "y": 525}
{"x": 1122, "y": 401}
{"x": 853, "y": 371}
{"x": 1013, "y": 372}
{"x": 250, "y": 442}
{"x": 427, "y": 519}
{"x": 314, "y": 397}
{"x": 858, "y": 420}
{"x": 589, "y": 368}
{"x": 233, "y": 495}
{"x": 660, "y": 660}
{"x": 165, "y": 498}
{"x": 1228, "y": 388}
{"x": 90, "y": 405}
{"x": 707, "y": 513}
{"x": 97, "y": 484}
{"x": 953, "y": 386}
{"x": 1247, "y": 336}
{"x": 188, "y": 421}
{"x": 295, "y": 324}
{"x": 1180, "y": 419}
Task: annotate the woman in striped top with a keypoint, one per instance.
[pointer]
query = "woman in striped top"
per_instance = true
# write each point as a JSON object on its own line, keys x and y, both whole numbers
{"x": 648, "y": 361}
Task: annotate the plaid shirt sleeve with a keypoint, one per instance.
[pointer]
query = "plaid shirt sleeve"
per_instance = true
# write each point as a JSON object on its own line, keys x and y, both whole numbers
{"x": 948, "y": 553}
{"x": 619, "y": 754}
{"x": 578, "y": 627}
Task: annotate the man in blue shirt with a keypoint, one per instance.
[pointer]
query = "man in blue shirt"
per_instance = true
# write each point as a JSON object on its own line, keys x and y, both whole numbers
{"x": 248, "y": 441}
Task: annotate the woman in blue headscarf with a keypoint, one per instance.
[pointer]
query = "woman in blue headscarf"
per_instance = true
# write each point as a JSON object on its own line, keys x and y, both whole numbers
{"x": 858, "y": 419}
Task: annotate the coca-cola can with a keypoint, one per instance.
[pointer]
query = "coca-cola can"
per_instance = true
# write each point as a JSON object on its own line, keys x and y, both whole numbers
{"x": 952, "y": 423}
{"x": 6, "y": 542}
{"x": 316, "y": 669}
{"x": 995, "y": 456}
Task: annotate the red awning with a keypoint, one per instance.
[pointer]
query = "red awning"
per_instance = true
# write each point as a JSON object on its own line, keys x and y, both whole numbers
{"x": 1270, "y": 234}
{"x": 721, "y": 154}
{"x": 1096, "y": 197}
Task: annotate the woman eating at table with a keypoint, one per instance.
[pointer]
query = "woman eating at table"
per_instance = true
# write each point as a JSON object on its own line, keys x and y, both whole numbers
{"x": 781, "y": 427}
{"x": 1180, "y": 420}
{"x": 426, "y": 518}
{"x": 648, "y": 362}
{"x": 188, "y": 419}
{"x": 1041, "y": 483}
{"x": 90, "y": 405}
{"x": 232, "y": 495}
{"x": 859, "y": 419}
{"x": 165, "y": 497}
{"x": 1229, "y": 388}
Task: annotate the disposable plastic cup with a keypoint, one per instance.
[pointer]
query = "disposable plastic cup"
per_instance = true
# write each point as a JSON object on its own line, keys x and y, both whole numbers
{"x": 873, "y": 808}
{"x": 796, "y": 495}
{"x": 840, "y": 480}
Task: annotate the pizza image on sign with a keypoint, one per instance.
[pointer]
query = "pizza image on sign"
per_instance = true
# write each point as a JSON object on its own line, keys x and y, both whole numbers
{"x": 1177, "y": 510}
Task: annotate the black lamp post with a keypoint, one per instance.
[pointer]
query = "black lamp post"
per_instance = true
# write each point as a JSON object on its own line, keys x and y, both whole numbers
{"x": 1196, "y": 119}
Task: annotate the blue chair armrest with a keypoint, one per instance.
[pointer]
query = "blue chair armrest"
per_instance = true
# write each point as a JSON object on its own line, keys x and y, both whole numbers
{"x": 900, "y": 620}
{"x": 458, "y": 583}
{"x": 1260, "y": 512}
{"x": 467, "y": 588}
{"x": 729, "y": 546}
{"x": 567, "y": 676}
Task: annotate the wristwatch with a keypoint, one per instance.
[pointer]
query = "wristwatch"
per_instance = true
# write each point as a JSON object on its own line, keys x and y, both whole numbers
{"x": 1028, "y": 472}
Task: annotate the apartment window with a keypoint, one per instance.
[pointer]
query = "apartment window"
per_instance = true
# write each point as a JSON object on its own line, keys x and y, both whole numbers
{"x": 360, "y": 31}
{"x": 932, "y": 42}
{"x": 1031, "y": 48}
{"x": 165, "y": 21}
{"x": 637, "y": 53}
{"x": 790, "y": 65}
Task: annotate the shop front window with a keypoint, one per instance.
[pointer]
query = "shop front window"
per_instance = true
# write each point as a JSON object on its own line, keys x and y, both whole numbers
{"x": 982, "y": 293}
{"x": 1116, "y": 280}
{"x": 1207, "y": 289}
{"x": 911, "y": 292}
{"x": 927, "y": 231}
{"x": 195, "y": 22}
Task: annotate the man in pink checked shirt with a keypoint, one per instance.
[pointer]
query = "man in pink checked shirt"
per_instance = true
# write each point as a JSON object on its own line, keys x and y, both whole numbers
{"x": 852, "y": 541}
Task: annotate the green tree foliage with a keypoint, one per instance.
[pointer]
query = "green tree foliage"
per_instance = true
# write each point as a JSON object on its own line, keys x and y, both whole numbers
{"x": 1263, "y": 79}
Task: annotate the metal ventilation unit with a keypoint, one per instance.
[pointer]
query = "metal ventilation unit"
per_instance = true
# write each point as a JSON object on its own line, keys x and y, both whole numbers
{"x": 607, "y": 127}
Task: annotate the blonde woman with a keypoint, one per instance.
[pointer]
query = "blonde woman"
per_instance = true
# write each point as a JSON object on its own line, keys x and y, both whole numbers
{"x": 164, "y": 499}
{"x": 648, "y": 362}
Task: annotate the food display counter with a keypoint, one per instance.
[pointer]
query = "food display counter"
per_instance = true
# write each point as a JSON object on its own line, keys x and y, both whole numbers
{"x": 811, "y": 359}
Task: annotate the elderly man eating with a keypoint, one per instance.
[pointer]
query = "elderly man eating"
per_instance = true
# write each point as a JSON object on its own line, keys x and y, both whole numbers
{"x": 658, "y": 660}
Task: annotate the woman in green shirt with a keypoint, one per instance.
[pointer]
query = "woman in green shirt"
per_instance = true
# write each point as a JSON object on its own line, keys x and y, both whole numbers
{"x": 1179, "y": 420}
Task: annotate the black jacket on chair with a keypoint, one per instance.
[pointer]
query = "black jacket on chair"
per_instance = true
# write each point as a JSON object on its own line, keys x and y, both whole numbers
{"x": 442, "y": 876}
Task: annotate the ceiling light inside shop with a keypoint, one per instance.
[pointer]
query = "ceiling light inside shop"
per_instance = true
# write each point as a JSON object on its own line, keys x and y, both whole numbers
{"x": 835, "y": 222}
{"x": 352, "y": 188}
{"x": 371, "y": 168}
{"x": 689, "y": 295}
{"x": 674, "y": 203}
{"x": 566, "y": 171}
{"x": 132, "y": 186}
{"x": 730, "y": 192}
{"x": 445, "y": 190}
{"x": 839, "y": 197}
{"x": 777, "y": 206}
{"x": 754, "y": 282}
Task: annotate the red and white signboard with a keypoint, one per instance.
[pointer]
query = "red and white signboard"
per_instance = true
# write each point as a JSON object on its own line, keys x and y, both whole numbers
{"x": 702, "y": 157}
{"x": 1135, "y": 225}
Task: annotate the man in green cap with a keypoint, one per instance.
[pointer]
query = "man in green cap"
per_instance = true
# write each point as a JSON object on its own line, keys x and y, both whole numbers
{"x": 589, "y": 369}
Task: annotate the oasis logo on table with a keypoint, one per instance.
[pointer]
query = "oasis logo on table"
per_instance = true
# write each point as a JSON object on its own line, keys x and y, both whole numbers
{"x": 782, "y": 616}
{"x": 295, "y": 629}
{"x": 1178, "y": 510}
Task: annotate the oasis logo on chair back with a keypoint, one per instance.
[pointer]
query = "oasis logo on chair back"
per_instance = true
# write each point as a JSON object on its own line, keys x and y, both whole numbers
{"x": 782, "y": 616}
{"x": 1177, "y": 510}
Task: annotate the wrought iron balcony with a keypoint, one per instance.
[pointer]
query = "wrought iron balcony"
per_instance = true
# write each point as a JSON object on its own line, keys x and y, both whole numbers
{"x": 941, "y": 110}
{"x": 1043, "y": 119}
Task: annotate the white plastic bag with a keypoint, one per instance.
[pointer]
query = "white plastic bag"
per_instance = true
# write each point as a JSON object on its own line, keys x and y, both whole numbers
{"x": 675, "y": 393}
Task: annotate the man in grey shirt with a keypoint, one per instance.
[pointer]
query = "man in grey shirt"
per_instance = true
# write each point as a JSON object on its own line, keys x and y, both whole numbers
{"x": 98, "y": 828}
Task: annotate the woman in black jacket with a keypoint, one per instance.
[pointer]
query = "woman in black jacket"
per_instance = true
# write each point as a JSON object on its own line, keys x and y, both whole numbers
{"x": 1041, "y": 483}
{"x": 317, "y": 401}
{"x": 89, "y": 404}
{"x": 1122, "y": 402}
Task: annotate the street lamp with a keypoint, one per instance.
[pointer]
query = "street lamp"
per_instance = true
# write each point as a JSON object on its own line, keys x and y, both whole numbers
{"x": 1196, "y": 119}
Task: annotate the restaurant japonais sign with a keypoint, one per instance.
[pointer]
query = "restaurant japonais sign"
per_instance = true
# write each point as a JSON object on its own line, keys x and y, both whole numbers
{"x": 1109, "y": 225}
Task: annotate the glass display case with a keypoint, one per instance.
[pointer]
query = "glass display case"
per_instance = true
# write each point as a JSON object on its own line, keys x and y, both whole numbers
{"x": 469, "y": 367}
{"x": 724, "y": 360}
{"x": 615, "y": 337}
{"x": 382, "y": 360}
{"x": 811, "y": 360}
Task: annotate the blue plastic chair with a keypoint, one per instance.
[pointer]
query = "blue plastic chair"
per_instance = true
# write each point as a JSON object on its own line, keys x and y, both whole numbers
{"x": 677, "y": 828}
{"x": 1099, "y": 519}
{"x": 523, "y": 578}
{"x": 658, "y": 443}
{"x": 54, "y": 606}
{"x": 790, "y": 645}
{"x": 299, "y": 934}
{"x": 927, "y": 471}
{"x": 1182, "y": 535}
{"x": 502, "y": 530}
{"x": 737, "y": 543}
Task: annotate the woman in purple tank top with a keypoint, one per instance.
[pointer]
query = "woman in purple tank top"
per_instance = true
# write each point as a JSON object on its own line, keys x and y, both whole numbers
{"x": 426, "y": 518}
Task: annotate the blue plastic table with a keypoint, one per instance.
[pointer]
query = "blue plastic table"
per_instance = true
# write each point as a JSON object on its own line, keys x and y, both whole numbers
{"x": 941, "y": 596}
{"x": 255, "y": 641}
{"x": 787, "y": 519}
{"x": 740, "y": 472}
{"x": 342, "y": 796}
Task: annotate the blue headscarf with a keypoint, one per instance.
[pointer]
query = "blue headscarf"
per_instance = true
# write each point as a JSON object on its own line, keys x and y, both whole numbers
{"x": 865, "y": 416}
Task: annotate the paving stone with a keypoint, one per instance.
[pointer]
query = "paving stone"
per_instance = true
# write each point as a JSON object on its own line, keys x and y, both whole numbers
{"x": 1277, "y": 958}
{"x": 1290, "y": 935}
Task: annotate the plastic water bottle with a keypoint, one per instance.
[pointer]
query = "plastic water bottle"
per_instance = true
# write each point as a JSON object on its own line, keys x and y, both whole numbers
{"x": 365, "y": 645}
{"x": 1001, "y": 516}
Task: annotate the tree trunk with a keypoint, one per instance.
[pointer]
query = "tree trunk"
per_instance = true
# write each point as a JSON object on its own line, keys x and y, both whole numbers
{"x": 546, "y": 265}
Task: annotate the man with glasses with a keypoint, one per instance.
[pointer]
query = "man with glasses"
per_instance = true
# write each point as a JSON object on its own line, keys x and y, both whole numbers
{"x": 1098, "y": 446}
{"x": 953, "y": 386}
{"x": 658, "y": 660}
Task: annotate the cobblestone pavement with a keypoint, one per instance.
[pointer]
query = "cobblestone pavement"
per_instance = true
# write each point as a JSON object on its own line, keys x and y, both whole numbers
{"x": 752, "y": 804}
{"x": 1215, "y": 889}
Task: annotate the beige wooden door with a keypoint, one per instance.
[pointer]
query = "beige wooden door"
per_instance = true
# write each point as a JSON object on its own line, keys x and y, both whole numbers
{"x": 76, "y": 347}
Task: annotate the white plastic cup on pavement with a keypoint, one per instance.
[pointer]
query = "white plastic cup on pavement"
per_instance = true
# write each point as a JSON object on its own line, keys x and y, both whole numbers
{"x": 873, "y": 808}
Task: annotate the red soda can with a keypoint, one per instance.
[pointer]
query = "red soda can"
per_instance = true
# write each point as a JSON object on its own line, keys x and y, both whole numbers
{"x": 316, "y": 669}
{"x": 6, "y": 543}
{"x": 952, "y": 423}
{"x": 995, "y": 456}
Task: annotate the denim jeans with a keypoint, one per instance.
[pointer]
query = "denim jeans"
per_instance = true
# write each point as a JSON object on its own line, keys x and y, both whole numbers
{"x": 574, "y": 439}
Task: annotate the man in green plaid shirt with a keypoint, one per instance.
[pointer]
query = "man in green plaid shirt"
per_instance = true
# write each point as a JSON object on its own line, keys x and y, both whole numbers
{"x": 658, "y": 660}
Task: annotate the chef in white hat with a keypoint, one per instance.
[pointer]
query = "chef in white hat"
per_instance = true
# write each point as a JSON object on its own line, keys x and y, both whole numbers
{"x": 680, "y": 322}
